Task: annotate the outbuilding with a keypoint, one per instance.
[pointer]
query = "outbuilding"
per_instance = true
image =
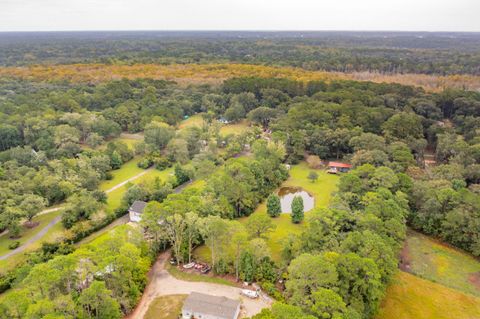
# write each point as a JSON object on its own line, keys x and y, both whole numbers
{"x": 202, "y": 306}
{"x": 136, "y": 210}
{"x": 335, "y": 167}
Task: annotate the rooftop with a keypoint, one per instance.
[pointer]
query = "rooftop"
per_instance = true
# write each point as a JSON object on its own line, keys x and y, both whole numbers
{"x": 221, "y": 307}
{"x": 338, "y": 164}
{"x": 137, "y": 207}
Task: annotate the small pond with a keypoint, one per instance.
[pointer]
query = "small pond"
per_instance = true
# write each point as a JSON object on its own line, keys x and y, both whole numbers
{"x": 287, "y": 194}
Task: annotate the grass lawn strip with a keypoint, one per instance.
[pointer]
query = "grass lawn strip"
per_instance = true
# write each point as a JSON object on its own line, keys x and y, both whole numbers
{"x": 438, "y": 262}
{"x": 411, "y": 297}
{"x": 165, "y": 307}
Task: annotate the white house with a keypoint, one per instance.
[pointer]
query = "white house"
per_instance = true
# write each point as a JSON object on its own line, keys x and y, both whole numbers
{"x": 201, "y": 306}
{"x": 136, "y": 210}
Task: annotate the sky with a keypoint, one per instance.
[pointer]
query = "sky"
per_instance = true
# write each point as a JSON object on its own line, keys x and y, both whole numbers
{"x": 398, "y": 15}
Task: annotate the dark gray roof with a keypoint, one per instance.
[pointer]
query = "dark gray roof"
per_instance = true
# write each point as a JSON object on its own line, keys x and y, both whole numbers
{"x": 137, "y": 207}
{"x": 221, "y": 307}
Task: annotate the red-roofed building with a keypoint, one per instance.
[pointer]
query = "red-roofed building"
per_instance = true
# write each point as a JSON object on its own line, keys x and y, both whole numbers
{"x": 336, "y": 167}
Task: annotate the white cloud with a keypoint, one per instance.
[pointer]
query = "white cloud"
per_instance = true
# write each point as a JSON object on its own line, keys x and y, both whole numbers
{"x": 429, "y": 15}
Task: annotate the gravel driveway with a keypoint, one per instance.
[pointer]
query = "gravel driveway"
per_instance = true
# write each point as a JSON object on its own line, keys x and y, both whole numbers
{"x": 161, "y": 283}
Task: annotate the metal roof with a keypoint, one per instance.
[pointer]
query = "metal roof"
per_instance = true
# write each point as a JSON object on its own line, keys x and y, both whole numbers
{"x": 221, "y": 307}
{"x": 137, "y": 207}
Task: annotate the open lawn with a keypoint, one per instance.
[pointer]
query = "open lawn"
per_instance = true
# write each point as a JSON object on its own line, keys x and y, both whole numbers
{"x": 53, "y": 233}
{"x": 114, "y": 198}
{"x": 435, "y": 261}
{"x": 194, "y": 120}
{"x": 411, "y": 297}
{"x": 235, "y": 128}
{"x": 128, "y": 170}
{"x": 321, "y": 190}
{"x": 196, "y": 277}
{"x": 165, "y": 307}
{"x": 27, "y": 233}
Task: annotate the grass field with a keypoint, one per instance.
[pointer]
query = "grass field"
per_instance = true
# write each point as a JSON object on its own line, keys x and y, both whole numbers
{"x": 321, "y": 190}
{"x": 411, "y": 297}
{"x": 235, "y": 128}
{"x": 53, "y": 233}
{"x": 165, "y": 307}
{"x": 196, "y": 277}
{"x": 115, "y": 197}
{"x": 128, "y": 170}
{"x": 194, "y": 120}
{"x": 27, "y": 233}
{"x": 435, "y": 261}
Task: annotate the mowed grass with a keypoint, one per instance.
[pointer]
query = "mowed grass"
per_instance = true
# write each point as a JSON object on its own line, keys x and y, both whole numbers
{"x": 27, "y": 233}
{"x": 321, "y": 190}
{"x": 194, "y": 120}
{"x": 435, "y": 261}
{"x": 411, "y": 297}
{"x": 53, "y": 233}
{"x": 196, "y": 277}
{"x": 114, "y": 198}
{"x": 128, "y": 170}
{"x": 165, "y": 307}
{"x": 235, "y": 128}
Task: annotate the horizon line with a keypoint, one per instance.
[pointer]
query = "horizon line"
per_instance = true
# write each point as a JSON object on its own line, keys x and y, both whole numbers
{"x": 236, "y": 30}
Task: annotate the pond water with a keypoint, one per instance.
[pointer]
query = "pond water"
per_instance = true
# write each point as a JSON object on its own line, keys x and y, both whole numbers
{"x": 287, "y": 194}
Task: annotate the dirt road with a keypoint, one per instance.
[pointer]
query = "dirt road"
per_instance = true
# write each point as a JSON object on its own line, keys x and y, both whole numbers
{"x": 161, "y": 283}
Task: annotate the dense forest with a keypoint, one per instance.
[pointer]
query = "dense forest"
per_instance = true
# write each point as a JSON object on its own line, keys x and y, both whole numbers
{"x": 415, "y": 158}
{"x": 384, "y": 52}
{"x": 56, "y": 147}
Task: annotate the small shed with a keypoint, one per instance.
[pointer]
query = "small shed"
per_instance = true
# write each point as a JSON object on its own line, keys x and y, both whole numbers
{"x": 198, "y": 305}
{"x": 136, "y": 210}
{"x": 335, "y": 167}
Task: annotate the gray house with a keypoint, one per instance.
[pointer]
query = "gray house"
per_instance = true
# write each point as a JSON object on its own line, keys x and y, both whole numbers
{"x": 136, "y": 210}
{"x": 201, "y": 306}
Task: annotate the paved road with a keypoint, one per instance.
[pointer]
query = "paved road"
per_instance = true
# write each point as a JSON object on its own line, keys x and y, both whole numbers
{"x": 57, "y": 219}
{"x": 161, "y": 283}
{"x": 36, "y": 237}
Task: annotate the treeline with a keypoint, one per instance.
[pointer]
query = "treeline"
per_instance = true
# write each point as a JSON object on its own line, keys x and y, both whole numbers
{"x": 340, "y": 265}
{"x": 204, "y": 215}
{"x": 104, "y": 279}
{"x": 344, "y": 52}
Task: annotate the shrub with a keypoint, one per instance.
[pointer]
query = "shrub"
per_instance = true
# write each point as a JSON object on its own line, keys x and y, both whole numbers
{"x": 145, "y": 163}
{"x": 14, "y": 245}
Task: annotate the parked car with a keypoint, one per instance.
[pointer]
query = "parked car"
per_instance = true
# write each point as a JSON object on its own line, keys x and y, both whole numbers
{"x": 206, "y": 269}
{"x": 173, "y": 261}
{"x": 249, "y": 293}
{"x": 188, "y": 266}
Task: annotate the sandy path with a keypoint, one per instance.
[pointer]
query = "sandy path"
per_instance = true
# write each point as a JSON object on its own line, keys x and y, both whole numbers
{"x": 161, "y": 283}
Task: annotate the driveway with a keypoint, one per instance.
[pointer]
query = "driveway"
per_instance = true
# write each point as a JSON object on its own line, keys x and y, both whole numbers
{"x": 33, "y": 239}
{"x": 57, "y": 219}
{"x": 161, "y": 283}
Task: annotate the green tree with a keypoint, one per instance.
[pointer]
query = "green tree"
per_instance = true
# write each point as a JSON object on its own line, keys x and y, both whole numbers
{"x": 306, "y": 274}
{"x": 297, "y": 210}
{"x": 31, "y": 205}
{"x": 313, "y": 176}
{"x": 327, "y": 304}
{"x": 274, "y": 208}
{"x": 97, "y": 302}
{"x": 258, "y": 225}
